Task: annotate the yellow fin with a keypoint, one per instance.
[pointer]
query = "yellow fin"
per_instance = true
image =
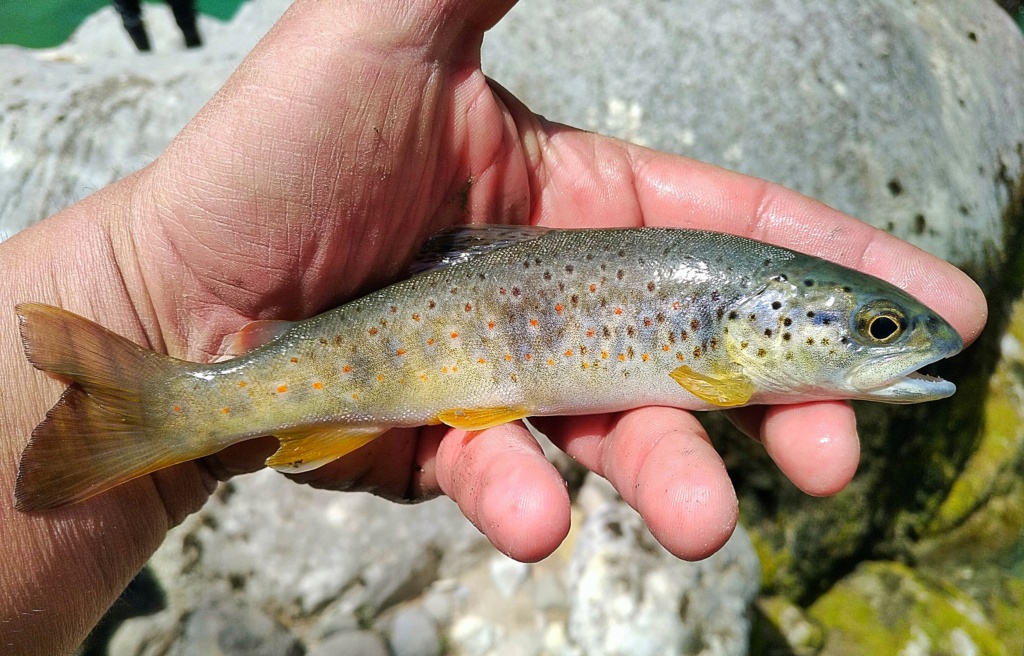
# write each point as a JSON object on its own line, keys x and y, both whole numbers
{"x": 306, "y": 448}
{"x": 98, "y": 435}
{"x": 481, "y": 418}
{"x": 726, "y": 390}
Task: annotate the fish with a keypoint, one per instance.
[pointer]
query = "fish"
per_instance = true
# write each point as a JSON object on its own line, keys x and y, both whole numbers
{"x": 501, "y": 323}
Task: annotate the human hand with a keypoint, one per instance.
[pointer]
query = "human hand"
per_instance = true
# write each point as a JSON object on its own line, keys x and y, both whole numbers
{"x": 352, "y": 132}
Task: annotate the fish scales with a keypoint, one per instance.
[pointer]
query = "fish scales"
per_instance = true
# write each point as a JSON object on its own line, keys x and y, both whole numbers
{"x": 530, "y": 322}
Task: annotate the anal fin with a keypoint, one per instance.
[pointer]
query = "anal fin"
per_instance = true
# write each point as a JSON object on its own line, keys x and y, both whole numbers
{"x": 481, "y": 418}
{"x": 725, "y": 390}
{"x": 306, "y": 448}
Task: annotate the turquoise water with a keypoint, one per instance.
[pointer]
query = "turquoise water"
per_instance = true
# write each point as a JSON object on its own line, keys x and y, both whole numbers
{"x": 47, "y": 23}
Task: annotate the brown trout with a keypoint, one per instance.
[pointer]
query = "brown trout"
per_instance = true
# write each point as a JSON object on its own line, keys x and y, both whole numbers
{"x": 509, "y": 322}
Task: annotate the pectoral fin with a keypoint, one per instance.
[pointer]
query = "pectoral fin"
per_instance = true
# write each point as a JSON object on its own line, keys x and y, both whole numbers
{"x": 252, "y": 334}
{"x": 724, "y": 390}
{"x": 481, "y": 418}
{"x": 305, "y": 449}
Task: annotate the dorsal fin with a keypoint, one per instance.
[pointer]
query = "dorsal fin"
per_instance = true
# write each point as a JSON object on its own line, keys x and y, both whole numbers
{"x": 463, "y": 243}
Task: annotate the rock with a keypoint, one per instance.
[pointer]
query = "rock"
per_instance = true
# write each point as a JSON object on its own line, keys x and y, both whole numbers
{"x": 631, "y": 597}
{"x": 234, "y": 629}
{"x": 472, "y": 635}
{"x": 905, "y": 117}
{"x": 413, "y": 633}
{"x": 356, "y": 643}
{"x": 508, "y": 575}
{"x": 888, "y": 608}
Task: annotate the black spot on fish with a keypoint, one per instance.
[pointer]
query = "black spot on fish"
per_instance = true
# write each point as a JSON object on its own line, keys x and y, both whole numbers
{"x": 671, "y": 337}
{"x": 715, "y": 296}
{"x": 847, "y": 289}
{"x": 590, "y": 257}
{"x": 694, "y": 324}
{"x": 604, "y": 301}
{"x": 696, "y": 353}
{"x": 568, "y": 268}
{"x": 483, "y": 276}
{"x": 776, "y": 305}
{"x": 753, "y": 317}
{"x": 651, "y": 286}
{"x": 683, "y": 335}
{"x": 761, "y": 353}
{"x": 630, "y": 331}
{"x": 620, "y": 274}
{"x": 787, "y": 336}
{"x": 733, "y": 315}
{"x": 629, "y": 352}
{"x": 431, "y": 304}
{"x": 720, "y": 312}
{"x": 787, "y": 322}
{"x": 622, "y": 253}
{"x": 604, "y": 267}
{"x": 826, "y": 321}
{"x": 767, "y": 261}
{"x": 660, "y": 317}
{"x": 713, "y": 343}
{"x": 323, "y": 341}
{"x": 781, "y": 278}
{"x": 583, "y": 349}
{"x": 844, "y": 340}
{"x": 536, "y": 260}
{"x": 810, "y": 341}
{"x": 515, "y": 291}
{"x": 455, "y": 290}
{"x": 394, "y": 309}
{"x": 547, "y": 275}
{"x": 810, "y": 315}
{"x": 808, "y": 283}
{"x": 606, "y": 331}
{"x": 767, "y": 332}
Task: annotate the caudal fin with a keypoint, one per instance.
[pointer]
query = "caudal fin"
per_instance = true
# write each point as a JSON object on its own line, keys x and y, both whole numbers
{"x": 97, "y": 436}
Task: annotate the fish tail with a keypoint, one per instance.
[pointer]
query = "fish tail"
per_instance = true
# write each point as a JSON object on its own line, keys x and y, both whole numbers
{"x": 98, "y": 434}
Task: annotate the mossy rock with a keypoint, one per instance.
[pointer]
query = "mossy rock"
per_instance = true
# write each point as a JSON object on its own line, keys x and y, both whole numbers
{"x": 888, "y": 608}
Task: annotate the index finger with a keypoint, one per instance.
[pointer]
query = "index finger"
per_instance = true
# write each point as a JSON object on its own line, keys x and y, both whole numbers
{"x": 674, "y": 191}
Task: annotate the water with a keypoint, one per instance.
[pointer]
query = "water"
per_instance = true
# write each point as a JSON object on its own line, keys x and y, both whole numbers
{"x": 47, "y": 23}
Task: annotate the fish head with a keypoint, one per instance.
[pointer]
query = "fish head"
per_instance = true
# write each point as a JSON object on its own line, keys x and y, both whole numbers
{"x": 824, "y": 331}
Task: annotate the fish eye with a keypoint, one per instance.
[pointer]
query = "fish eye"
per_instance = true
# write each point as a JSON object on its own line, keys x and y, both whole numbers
{"x": 881, "y": 323}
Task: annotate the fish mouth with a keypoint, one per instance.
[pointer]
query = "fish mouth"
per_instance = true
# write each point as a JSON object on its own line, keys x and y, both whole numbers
{"x": 906, "y": 386}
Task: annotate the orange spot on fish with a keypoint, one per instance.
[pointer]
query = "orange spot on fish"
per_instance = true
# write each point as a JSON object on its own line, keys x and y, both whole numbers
{"x": 568, "y": 353}
{"x": 318, "y": 385}
{"x": 373, "y": 331}
{"x": 423, "y": 377}
{"x": 454, "y": 335}
{"x": 665, "y": 347}
{"x": 490, "y": 324}
{"x": 400, "y": 351}
{"x": 177, "y": 408}
{"x": 242, "y": 383}
{"x": 559, "y": 308}
{"x": 281, "y": 389}
{"x": 675, "y": 306}
{"x": 647, "y": 321}
{"x": 593, "y": 288}
{"x": 644, "y": 357}
{"x": 622, "y": 357}
{"x": 507, "y": 357}
{"x": 225, "y": 410}
{"x": 455, "y": 370}
{"x": 585, "y": 365}
{"x": 481, "y": 361}
{"x": 415, "y": 317}
{"x": 590, "y": 333}
{"x": 618, "y": 310}
{"x": 469, "y": 307}
{"x": 430, "y": 342}
{"x": 294, "y": 360}
{"x": 528, "y": 356}
{"x": 347, "y": 368}
{"x": 355, "y": 395}
{"x": 380, "y": 378}
{"x": 533, "y": 322}
{"x": 551, "y": 362}
{"x": 444, "y": 370}
{"x": 679, "y": 356}
{"x": 604, "y": 355}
